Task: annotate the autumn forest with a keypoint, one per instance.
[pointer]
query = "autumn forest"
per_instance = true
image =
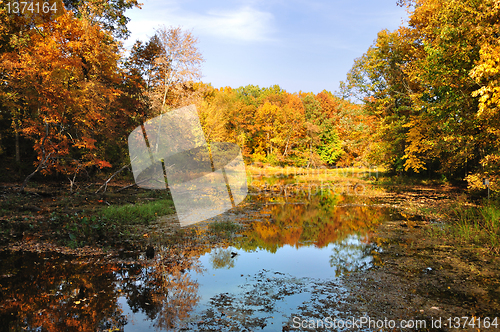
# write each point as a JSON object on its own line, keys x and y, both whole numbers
{"x": 422, "y": 99}
{"x": 392, "y": 182}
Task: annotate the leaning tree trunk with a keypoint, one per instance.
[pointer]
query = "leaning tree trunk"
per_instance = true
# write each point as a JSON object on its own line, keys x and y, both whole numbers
{"x": 43, "y": 160}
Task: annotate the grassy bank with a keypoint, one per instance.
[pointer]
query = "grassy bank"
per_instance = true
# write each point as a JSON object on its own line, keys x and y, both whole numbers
{"x": 141, "y": 213}
{"x": 48, "y": 213}
{"x": 107, "y": 226}
{"x": 476, "y": 225}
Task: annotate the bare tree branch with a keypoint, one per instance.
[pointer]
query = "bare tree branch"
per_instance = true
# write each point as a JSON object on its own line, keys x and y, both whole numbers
{"x": 178, "y": 64}
{"x": 105, "y": 184}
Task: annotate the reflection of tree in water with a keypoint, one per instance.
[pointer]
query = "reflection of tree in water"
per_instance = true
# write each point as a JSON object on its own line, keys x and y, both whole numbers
{"x": 46, "y": 292}
{"x": 163, "y": 290}
{"x": 221, "y": 258}
{"x": 318, "y": 222}
{"x": 138, "y": 285}
{"x": 351, "y": 254}
{"x": 177, "y": 294}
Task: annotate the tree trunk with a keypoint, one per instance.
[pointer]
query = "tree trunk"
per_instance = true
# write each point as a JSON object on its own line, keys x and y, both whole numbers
{"x": 286, "y": 147}
{"x": 310, "y": 151}
{"x": 18, "y": 154}
{"x": 269, "y": 149}
{"x": 43, "y": 160}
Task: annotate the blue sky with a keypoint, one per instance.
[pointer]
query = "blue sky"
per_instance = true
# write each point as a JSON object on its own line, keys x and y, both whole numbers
{"x": 300, "y": 45}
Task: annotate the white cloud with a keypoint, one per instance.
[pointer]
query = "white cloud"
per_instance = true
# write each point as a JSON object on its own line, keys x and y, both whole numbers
{"x": 245, "y": 24}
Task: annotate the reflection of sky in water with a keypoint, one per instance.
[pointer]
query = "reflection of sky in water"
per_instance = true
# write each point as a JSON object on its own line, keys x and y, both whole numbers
{"x": 296, "y": 272}
{"x": 304, "y": 262}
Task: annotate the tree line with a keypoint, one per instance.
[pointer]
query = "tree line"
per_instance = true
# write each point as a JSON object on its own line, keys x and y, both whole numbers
{"x": 429, "y": 95}
{"x": 69, "y": 96}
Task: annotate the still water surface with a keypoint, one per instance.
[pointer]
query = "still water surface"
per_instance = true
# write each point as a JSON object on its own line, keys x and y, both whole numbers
{"x": 288, "y": 262}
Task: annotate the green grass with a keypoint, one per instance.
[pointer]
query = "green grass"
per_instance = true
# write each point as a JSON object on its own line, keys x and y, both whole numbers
{"x": 466, "y": 223}
{"x": 77, "y": 220}
{"x": 478, "y": 225}
{"x": 140, "y": 213}
{"x": 106, "y": 226}
{"x": 491, "y": 224}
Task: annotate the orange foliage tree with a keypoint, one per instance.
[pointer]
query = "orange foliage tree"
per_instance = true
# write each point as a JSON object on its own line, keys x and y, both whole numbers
{"x": 59, "y": 84}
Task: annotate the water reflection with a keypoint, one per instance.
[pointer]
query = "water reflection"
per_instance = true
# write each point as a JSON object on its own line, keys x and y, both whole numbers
{"x": 50, "y": 293}
{"x": 319, "y": 222}
{"x": 289, "y": 252}
{"x": 175, "y": 297}
{"x": 222, "y": 258}
{"x": 162, "y": 291}
{"x": 352, "y": 254}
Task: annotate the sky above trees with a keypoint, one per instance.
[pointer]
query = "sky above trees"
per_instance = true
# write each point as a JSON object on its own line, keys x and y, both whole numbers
{"x": 300, "y": 45}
